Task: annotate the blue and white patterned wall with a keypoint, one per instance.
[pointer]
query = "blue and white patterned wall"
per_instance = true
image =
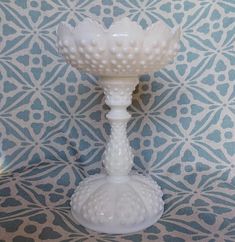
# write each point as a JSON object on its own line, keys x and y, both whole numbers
{"x": 53, "y": 128}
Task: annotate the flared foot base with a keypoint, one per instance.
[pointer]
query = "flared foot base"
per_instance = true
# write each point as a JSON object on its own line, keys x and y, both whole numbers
{"x": 112, "y": 205}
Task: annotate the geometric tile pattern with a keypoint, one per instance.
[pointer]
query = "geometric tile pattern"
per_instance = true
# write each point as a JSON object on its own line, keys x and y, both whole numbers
{"x": 53, "y": 128}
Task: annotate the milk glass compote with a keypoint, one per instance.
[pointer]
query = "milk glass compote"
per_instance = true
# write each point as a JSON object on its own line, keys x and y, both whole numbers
{"x": 117, "y": 202}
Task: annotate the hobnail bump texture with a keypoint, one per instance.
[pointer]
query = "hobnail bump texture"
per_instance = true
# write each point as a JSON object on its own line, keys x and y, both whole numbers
{"x": 125, "y": 49}
{"x": 117, "y": 202}
{"x": 110, "y": 207}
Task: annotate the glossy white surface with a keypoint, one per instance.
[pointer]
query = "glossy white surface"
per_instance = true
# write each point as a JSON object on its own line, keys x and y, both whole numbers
{"x": 125, "y": 49}
{"x": 117, "y": 202}
{"x": 112, "y": 206}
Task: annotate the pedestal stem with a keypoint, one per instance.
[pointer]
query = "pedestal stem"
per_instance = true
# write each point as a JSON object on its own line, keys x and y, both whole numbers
{"x": 118, "y": 157}
{"x": 117, "y": 202}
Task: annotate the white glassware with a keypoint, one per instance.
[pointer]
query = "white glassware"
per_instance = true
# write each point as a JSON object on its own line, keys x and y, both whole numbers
{"x": 117, "y": 202}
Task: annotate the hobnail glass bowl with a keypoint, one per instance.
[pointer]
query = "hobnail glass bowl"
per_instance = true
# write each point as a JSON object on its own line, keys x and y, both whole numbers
{"x": 125, "y": 49}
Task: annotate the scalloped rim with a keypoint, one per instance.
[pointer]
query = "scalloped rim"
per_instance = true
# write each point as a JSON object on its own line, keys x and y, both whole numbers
{"x": 119, "y": 22}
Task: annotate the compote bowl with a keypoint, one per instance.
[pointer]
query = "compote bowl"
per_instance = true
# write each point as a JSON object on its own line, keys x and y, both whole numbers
{"x": 117, "y": 202}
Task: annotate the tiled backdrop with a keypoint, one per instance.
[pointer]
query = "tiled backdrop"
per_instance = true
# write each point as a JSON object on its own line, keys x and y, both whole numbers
{"x": 53, "y": 128}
